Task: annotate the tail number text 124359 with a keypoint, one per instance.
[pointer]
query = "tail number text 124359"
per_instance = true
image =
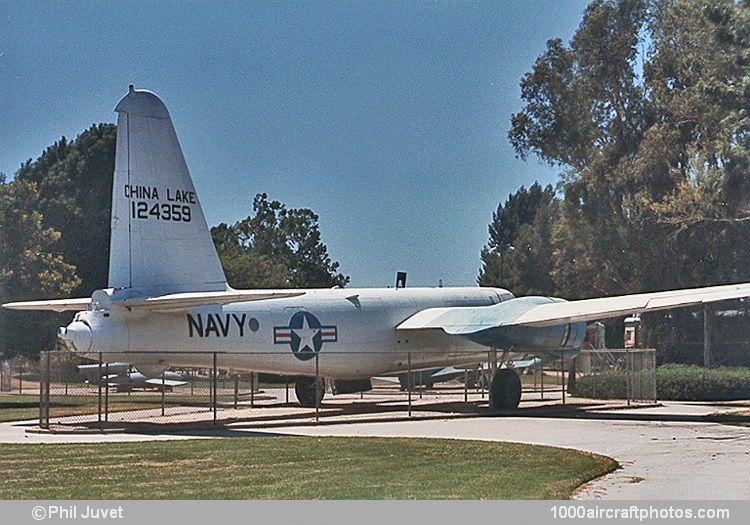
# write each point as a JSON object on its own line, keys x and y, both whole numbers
{"x": 163, "y": 212}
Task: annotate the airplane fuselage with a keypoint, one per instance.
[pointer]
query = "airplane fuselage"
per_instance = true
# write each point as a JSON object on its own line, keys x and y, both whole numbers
{"x": 287, "y": 336}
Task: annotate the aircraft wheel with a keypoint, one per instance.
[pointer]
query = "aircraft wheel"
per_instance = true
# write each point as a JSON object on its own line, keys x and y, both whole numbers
{"x": 306, "y": 392}
{"x": 505, "y": 390}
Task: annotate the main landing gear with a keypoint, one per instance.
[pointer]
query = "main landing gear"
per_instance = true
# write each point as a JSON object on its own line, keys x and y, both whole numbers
{"x": 309, "y": 391}
{"x": 505, "y": 390}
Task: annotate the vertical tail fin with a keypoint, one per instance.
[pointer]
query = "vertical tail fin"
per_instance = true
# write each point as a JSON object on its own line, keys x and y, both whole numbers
{"x": 160, "y": 241}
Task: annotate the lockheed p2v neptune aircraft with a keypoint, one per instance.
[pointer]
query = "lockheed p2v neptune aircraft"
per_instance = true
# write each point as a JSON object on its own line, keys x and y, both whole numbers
{"x": 168, "y": 302}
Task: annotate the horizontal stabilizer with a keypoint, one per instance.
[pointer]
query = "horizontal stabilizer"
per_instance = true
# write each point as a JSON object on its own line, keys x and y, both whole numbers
{"x": 539, "y": 312}
{"x": 57, "y": 305}
{"x": 183, "y": 301}
{"x": 161, "y": 303}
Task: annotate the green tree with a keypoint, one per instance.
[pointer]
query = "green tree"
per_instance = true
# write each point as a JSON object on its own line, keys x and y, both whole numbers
{"x": 277, "y": 247}
{"x": 583, "y": 111}
{"x": 699, "y": 83}
{"x": 646, "y": 111}
{"x": 74, "y": 182}
{"x": 518, "y": 255}
{"x": 30, "y": 268}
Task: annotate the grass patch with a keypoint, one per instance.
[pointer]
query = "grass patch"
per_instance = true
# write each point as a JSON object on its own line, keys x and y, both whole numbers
{"x": 296, "y": 468}
{"x": 20, "y": 407}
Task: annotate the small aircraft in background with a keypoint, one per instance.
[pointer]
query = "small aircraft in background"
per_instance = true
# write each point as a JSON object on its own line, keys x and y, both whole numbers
{"x": 168, "y": 302}
{"x": 471, "y": 374}
{"x": 124, "y": 378}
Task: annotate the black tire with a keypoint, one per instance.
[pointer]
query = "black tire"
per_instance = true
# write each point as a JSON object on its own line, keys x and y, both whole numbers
{"x": 505, "y": 390}
{"x": 305, "y": 388}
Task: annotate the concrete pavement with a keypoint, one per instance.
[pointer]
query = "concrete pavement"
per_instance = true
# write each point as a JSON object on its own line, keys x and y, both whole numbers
{"x": 660, "y": 459}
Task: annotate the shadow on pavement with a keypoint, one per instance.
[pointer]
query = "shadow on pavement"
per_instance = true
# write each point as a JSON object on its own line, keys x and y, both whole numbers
{"x": 383, "y": 411}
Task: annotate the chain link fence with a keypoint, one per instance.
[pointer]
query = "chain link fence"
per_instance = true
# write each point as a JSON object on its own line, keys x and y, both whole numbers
{"x": 71, "y": 391}
{"x": 104, "y": 393}
{"x": 628, "y": 374}
{"x": 77, "y": 391}
{"x": 19, "y": 375}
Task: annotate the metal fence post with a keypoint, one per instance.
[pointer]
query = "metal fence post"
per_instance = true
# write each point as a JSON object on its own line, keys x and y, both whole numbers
{"x": 41, "y": 389}
{"x": 466, "y": 385}
{"x": 106, "y": 392}
{"x": 163, "y": 390}
{"x": 47, "y": 385}
{"x": 541, "y": 380}
{"x": 408, "y": 378}
{"x": 627, "y": 375}
{"x": 594, "y": 373}
{"x": 485, "y": 381}
{"x": 44, "y": 368}
{"x": 641, "y": 360}
{"x": 252, "y": 389}
{"x": 99, "y": 392}
{"x": 653, "y": 363}
{"x": 236, "y": 389}
{"x": 317, "y": 388}
{"x": 286, "y": 388}
{"x": 210, "y": 389}
{"x": 213, "y": 387}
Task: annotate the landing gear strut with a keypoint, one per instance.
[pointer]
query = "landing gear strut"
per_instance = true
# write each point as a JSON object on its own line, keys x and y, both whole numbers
{"x": 505, "y": 390}
{"x": 309, "y": 391}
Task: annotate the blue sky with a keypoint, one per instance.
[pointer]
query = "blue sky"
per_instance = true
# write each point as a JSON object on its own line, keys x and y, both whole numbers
{"x": 388, "y": 119}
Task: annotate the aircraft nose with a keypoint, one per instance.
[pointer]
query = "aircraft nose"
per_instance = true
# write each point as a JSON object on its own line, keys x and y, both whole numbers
{"x": 77, "y": 336}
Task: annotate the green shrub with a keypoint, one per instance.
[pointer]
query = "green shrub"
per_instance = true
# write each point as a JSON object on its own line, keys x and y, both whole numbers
{"x": 673, "y": 382}
{"x": 605, "y": 385}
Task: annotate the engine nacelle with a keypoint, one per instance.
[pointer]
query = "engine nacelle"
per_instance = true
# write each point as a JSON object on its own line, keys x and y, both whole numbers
{"x": 520, "y": 337}
{"x": 558, "y": 337}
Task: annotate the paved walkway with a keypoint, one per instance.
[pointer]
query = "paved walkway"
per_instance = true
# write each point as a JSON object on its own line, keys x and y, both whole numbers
{"x": 660, "y": 459}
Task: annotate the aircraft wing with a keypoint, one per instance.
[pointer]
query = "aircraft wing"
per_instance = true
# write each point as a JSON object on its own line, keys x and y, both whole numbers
{"x": 155, "y": 381}
{"x": 524, "y": 363}
{"x": 160, "y": 303}
{"x": 113, "y": 368}
{"x": 451, "y": 372}
{"x": 447, "y": 373}
{"x": 540, "y": 311}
